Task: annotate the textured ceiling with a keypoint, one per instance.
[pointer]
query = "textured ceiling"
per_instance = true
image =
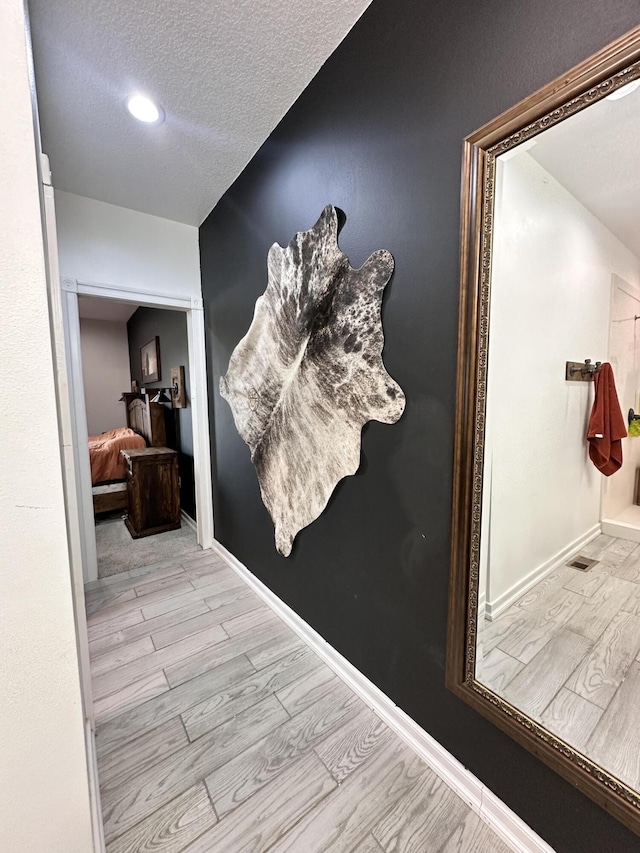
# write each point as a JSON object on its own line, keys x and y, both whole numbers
{"x": 224, "y": 72}
{"x": 595, "y": 154}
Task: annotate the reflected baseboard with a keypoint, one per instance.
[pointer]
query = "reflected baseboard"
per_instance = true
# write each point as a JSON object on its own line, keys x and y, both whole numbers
{"x": 482, "y": 605}
{"x": 495, "y": 608}
{"x": 626, "y": 525}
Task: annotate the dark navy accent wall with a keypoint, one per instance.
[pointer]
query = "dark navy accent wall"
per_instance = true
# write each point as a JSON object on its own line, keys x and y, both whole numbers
{"x": 378, "y": 133}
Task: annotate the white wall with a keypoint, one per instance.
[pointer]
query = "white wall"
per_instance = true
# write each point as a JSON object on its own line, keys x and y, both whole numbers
{"x": 105, "y": 371}
{"x": 624, "y": 355}
{"x": 44, "y": 794}
{"x": 550, "y": 302}
{"x": 103, "y": 243}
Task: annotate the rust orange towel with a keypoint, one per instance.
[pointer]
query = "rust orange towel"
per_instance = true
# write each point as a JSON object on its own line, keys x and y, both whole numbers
{"x": 606, "y": 420}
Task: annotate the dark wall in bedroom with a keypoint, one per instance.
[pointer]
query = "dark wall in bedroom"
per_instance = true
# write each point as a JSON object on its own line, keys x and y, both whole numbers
{"x": 171, "y": 328}
{"x": 378, "y": 133}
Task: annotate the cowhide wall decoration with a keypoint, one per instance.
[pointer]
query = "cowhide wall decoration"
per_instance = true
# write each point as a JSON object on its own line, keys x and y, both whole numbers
{"x": 308, "y": 374}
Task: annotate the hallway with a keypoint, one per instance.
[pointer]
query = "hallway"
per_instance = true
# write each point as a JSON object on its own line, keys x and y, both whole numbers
{"x": 219, "y": 730}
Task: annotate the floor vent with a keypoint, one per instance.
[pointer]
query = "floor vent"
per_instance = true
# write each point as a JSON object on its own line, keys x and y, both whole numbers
{"x": 582, "y": 563}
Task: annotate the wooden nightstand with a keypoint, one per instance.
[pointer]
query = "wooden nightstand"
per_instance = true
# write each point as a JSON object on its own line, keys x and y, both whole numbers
{"x": 153, "y": 491}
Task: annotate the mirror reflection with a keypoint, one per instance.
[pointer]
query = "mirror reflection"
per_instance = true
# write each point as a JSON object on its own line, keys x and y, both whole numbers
{"x": 559, "y": 596}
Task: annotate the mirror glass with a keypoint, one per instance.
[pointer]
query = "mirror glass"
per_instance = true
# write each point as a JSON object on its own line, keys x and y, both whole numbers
{"x": 558, "y": 634}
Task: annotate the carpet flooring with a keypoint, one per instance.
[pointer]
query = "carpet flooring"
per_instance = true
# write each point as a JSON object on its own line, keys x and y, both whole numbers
{"x": 118, "y": 552}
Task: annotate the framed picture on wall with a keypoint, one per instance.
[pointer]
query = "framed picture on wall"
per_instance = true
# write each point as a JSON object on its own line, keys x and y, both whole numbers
{"x": 150, "y": 361}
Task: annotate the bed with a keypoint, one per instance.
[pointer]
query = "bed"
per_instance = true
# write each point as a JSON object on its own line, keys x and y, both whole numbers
{"x": 145, "y": 428}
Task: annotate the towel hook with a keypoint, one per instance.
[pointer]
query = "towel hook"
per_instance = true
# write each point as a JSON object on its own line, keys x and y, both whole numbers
{"x": 577, "y": 371}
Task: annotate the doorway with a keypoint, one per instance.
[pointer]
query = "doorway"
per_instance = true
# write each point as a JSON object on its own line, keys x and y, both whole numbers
{"x": 117, "y": 339}
{"x": 72, "y": 292}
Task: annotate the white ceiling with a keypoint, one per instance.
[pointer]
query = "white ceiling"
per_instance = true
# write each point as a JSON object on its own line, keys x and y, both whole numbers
{"x": 595, "y": 155}
{"x": 92, "y": 308}
{"x": 225, "y": 72}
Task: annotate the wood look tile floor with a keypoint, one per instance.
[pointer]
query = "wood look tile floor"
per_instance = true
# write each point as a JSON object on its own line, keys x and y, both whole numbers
{"x": 219, "y": 730}
{"x": 567, "y": 653}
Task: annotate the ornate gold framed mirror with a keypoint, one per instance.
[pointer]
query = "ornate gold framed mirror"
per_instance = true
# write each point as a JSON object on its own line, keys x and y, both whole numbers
{"x": 544, "y": 614}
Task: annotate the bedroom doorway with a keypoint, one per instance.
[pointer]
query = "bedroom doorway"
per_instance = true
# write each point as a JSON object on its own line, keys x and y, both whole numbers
{"x": 130, "y": 356}
{"x": 174, "y": 431}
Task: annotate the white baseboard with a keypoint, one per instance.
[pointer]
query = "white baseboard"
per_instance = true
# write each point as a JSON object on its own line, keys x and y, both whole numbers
{"x": 482, "y": 605}
{"x": 504, "y": 822}
{"x": 620, "y": 529}
{"x": 94, "y": 789}
{"x": 493, "y": 609}
{"x": 188, "y": 520}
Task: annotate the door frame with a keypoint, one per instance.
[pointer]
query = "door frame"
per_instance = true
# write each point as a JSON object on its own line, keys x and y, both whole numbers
{"x": 194, "y": 310}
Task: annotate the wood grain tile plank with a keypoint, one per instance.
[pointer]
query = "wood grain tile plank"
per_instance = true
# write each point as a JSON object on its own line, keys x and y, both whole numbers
{"x": 497, "y": 669}
{"x": 632, "y": 603}
{"x": 184, "y": 628}
{"x": 351, "y": 745}
{"x": 172, "y": 827}
{"x": 189, "y": 561}
{"x": 120, "y": 582}
{"x": 472, "y": 835}
{"x": 586, "y": 583}
{"x": 117, "y": 623}
{"x": 145, "y": 688}
{"x": 116, "y": 679}
{"x": 132, "y": 724}
{"x": 113, "y": 590}
{"x": 546, "y": 592}
{"x": 621, "y": 547}
{"x": 95, "y": 603}
{"x": 146, "y": 628}
{"x": 225, "y": 703}
{"x": 124, "y": 581}
{"x": 134, "y": 800}
{"x": 150, "y": 584}
{"x": 121, "y": 655}
{"x": 594, "y": 615}
{"x": 200, "y": 662}
{"x": 629, "y": 570}
{"x": 221, "y": 580}
{"x": 103, "y": 583}
{"x": 422, "y": 819}
{"x": 162, "y": 596}
{"x": 598, "y": 676}
{"x": 344, "y": 818}
{"x": 597, "y": 546}
{"x": 614, "y": 742}
{"x": 158, "y": 608}
{"x": 536, "y": 685}
{"x": 218, "y": 571}
{"x": 493, "y": 633}
{"x": 571, "y": 717}
{"x": 240, "y": 778}
{"x": 248, "y": 621}
{"x": 525, "y": 642}
{"x": 306, "y": 691}
{"x": 175, "y": 571}
{"x": 258, "y": 822}
{"x": 232, "y": 596}
{"x": 283, "y": 643}
{"x": 138, "y": 755}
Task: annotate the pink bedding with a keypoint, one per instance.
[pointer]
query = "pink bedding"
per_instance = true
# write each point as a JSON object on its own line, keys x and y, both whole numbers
{"x": 104, "y": 453}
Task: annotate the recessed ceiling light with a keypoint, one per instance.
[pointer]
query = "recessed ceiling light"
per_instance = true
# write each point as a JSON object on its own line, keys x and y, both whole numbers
{"x": 623, "y": 91}
{"x": 144, "y": 109}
